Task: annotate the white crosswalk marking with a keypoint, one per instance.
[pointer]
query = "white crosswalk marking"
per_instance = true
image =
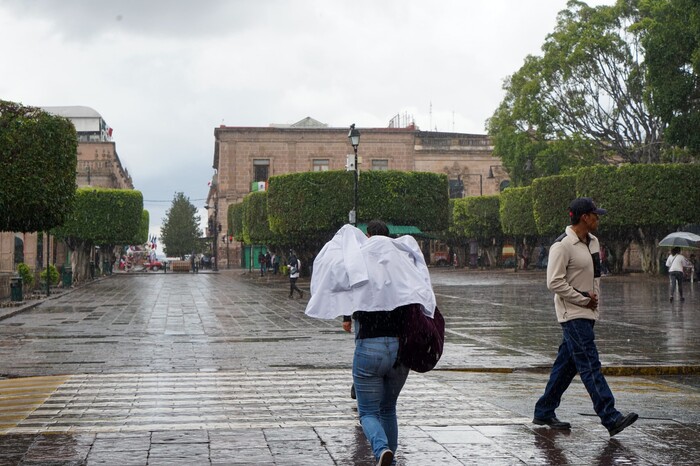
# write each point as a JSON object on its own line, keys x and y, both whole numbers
{"x": 230, "y": 400}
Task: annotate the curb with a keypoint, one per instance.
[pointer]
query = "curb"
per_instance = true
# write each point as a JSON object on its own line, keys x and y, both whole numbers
{"x": 620, "y": 371}
{"x": 13, "y": 311}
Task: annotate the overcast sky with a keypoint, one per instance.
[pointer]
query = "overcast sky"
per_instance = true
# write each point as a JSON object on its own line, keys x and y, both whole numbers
{"x": 164, "y": 74}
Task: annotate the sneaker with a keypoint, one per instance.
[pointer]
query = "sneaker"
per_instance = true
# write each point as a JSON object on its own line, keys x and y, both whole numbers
{"x": 623, "y": 423}
{"x": 385, "y": 458}
{"x": 552, "y": 422}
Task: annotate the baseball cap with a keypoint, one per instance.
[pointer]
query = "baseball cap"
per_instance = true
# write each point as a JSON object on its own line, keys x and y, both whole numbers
{"x": 584, "y": 205}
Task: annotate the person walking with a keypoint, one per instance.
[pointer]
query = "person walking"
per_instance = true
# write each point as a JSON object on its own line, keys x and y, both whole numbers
{"x": 675, "y": 264}
{"x": 294, "y": 265}
{"x": 370, "y": 278}
{"x": 573, "y": 272}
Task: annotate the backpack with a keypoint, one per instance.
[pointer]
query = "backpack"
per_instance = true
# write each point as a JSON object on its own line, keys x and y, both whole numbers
{"x": 421, "y": 338}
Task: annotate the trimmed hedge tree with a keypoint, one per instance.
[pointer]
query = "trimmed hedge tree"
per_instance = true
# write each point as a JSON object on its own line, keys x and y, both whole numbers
{"x": 518, "y": 220}
{"x": 100, "y": 217}
{"x": 551, "y": 197}
{"x": 644, "y": 202}
{"x": 38, "y": 157}
{"x": 479, "y": 218}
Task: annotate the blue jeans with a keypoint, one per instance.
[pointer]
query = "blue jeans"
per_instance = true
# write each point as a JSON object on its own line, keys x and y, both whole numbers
{"x": 377, "y": 385}
{"x": 578, "y": 353}
{"x": 675, "y": 278}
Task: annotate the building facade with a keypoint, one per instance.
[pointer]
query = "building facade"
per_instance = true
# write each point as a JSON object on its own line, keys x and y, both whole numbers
{"x": 98, "y": 165}
{"x": 246, "y": 157}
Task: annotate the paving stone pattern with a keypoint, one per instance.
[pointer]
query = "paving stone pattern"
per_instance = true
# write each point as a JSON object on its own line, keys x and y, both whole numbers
{"x": 226, "y": 369}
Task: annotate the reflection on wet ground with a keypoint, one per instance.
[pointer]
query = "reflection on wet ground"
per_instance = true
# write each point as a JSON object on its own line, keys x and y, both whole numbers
{"x": 226, "y": 369}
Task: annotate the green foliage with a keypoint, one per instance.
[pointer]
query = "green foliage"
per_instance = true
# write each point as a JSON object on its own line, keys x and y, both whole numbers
{"x": 583, "y": 101}
{"x": 38, "y": 157}
{"x": 103, "y": 217}
{"x": 661, "y": 196}
{"x": 551, "y": 197}
{"x": 142, "y": 235}
{"x": 477, "y": 217}
{"x": 319, "y": 202}
{"x": 256, "y": 229}
{"x": 516, "y": 212}
{"x": 26, "y": 274}
{"x": 53, "y": 275}
{"x": 405, "y": 198}
{"x": 235, "y": 221}
{"x": 180, "y": 231}
{"x": 672, "y": 42}
{"x": 310, "y": 201}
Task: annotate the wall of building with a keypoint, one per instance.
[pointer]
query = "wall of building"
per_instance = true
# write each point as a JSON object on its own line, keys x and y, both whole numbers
{"x": 292, "y": 150}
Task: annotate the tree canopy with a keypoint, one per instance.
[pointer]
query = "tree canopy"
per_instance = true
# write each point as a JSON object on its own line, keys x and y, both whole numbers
{"x": 38, "y": 157}
{"x": 180, "y": 232}
{"x": 586, "y": 99}
{"x": 671, "y": 37}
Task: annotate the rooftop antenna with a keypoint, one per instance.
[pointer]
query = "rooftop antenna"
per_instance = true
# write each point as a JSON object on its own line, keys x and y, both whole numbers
{"x": 431, "y": 114}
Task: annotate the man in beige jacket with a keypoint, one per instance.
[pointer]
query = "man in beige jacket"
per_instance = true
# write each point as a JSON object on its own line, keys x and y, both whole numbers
{"x": 573, "y": 275}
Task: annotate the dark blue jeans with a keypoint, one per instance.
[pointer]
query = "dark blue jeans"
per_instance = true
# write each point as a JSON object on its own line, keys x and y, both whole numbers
{"x": 578, "y": 354}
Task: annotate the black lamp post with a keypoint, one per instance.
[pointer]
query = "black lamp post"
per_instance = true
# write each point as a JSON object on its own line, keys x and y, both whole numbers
{"x": 354, "y": 137}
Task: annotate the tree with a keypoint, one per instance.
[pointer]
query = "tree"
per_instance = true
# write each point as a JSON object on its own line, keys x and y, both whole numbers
{"x": 180, "y": 232}
{"x": 142, "y": 235}
{"x": 671, "y": 37}
{"x": 518, "y": 220}
{"x": 582, "y": 102}
{"x": 478, "y": 218}
{"x": 100, "y": 217}
{"x": 38, "y": 157}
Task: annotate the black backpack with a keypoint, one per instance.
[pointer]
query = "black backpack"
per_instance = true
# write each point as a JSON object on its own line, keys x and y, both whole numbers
{"x": 421, "y": 339}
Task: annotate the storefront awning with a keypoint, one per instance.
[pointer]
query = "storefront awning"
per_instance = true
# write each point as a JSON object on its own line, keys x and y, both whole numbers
{"x": 396, "y": 230}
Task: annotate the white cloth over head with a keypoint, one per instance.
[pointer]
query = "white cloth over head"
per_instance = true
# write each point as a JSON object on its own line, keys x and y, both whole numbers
{"x": 356, "y": 273}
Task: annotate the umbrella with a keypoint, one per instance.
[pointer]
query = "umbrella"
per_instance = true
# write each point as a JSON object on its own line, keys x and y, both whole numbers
{"x": 681, "y": 239}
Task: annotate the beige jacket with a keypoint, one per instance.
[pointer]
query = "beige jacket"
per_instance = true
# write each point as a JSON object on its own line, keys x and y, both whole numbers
{"x": 573, "y": 271}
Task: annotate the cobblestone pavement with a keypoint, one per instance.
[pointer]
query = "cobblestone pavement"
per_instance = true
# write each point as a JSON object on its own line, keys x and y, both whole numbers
{"x": 226, "y": 369}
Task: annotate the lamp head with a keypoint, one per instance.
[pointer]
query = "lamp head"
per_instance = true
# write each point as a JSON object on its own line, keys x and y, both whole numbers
{"x": 354, "y": 136}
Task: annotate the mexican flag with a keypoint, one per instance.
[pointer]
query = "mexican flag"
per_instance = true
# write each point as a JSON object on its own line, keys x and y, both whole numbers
{"x": 259, "y": 186}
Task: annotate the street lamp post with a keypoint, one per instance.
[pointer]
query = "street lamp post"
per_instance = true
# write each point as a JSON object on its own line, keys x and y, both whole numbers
{"x": 354, "y": 137}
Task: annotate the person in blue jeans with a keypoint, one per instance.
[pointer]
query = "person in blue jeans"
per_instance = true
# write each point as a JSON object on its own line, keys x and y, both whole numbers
{"x": 573, "y": 275}
{"x": 377, "y": 376}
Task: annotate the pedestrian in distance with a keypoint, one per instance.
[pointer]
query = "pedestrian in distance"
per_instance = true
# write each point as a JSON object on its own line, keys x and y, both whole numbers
{"x": 676, "y": 263}
{"x": 294, "y": 265}
{"x": 261, "y": 263}
{"x": 573, "y": 275}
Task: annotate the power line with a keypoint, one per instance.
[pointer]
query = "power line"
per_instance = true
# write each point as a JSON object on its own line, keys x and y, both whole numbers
{"x": 170, "y": 200}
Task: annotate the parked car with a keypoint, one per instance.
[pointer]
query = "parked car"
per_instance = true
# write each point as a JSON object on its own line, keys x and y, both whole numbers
{"x": 155, "y": 265}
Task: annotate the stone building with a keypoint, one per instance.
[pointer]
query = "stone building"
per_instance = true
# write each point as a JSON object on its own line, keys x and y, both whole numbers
{"x": 98, "y": 165}
{"x": 246, "y": 156}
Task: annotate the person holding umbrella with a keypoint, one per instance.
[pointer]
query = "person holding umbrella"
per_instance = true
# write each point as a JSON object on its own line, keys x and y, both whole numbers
{"x": 369, "y": 278}
{"x": 676, "y": 263}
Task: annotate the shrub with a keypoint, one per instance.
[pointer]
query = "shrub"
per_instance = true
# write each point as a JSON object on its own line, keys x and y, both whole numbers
{"x": 53, "y": 275}
{"x": 26, "y": 273}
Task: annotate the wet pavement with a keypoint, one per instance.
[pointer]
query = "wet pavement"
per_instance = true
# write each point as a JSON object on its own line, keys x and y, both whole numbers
{"x": 226, "y": 369}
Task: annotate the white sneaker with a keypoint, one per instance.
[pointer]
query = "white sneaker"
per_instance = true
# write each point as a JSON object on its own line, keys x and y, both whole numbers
{"x": 386, "y": 458}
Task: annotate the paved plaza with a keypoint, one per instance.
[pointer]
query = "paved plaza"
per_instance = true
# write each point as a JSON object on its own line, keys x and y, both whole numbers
{"x": 224, "y": 368}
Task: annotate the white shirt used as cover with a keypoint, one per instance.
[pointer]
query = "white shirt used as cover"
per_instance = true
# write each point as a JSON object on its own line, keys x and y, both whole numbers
{"x": 356, "y": 273}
